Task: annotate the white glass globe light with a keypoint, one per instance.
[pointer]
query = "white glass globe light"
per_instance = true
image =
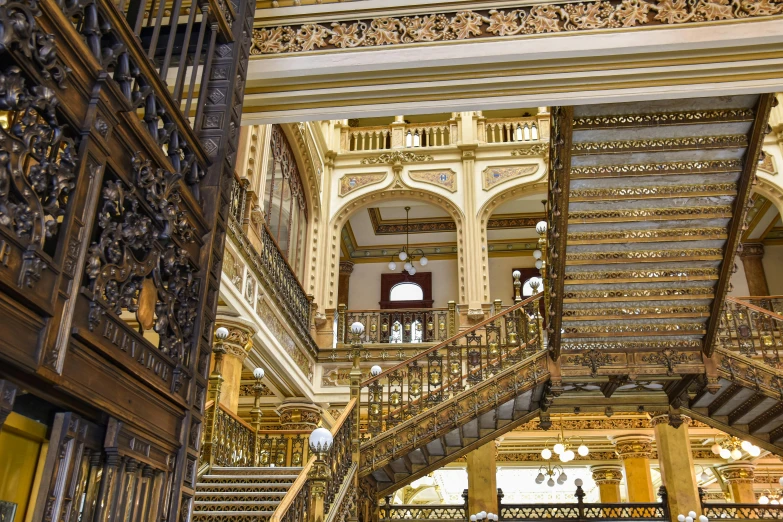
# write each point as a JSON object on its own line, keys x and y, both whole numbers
{"x": 563, "y": 476}
{"x": 558, "y": 448}
{"x": 539, "y": 264}
{"x": 407, "y": 265}
{"x": 546, "y": 453}
{"x": 560, "y": 480}
{"x": 537, "y": 253}
{"x": 745, "y": 445}
{"x": 375, "y": 371}
{"x": 763, "y": 499}
{"x": 483, "y": 514}
{"x": 473, "y": 518}
{"x": 755, "y": 451}
{"x": 321, "y": 440}
{"x": 392, "y": 265}
{"x": 258, "y": 373}
{"x": 569, "y": 454}
{"x": 780, "y": 481}
{"x": 516, "y": 274}
{"x": 540, "y": 478}
{"x": 716, "y": 448}
{"x": 725, "y": 454}
{"x": 357, "y": 328}
{"x": 704, "y": 476}
{"x": 774, "y": 501}
{"x": 583, "y": 450}
{"x": 736, "y": 454}
{"x": 688, "y": 519}
{"x": 423, "y": 261}
{"x": 692, "y": 514}
{"x": 221, "y": 334}
{"x": 412, "y": 271}
{"x": 680, "y": 518}
{"x": 541, "y": 227}
{"x": 403, "y": 255}
{"x": 578, "y": 483}
{"x": 703, "y": 518}
{"x": 550, "y": 482}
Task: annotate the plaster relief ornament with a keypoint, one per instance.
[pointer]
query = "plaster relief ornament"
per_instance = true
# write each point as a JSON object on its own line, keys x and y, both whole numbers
{"x": 493, "y": 176}
{"x": 528, "y": 20}
{"x": 351, "y": 182}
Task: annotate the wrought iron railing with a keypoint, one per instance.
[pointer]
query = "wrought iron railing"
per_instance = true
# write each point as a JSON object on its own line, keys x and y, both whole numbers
{"x": 581, "y": 511}
{"x": 389, "y": 512}
{"x": 415, "y": 325}
{"x": 730, "y": 512}
{"x": 296, "y": 504}
{"x": 464, "y": 360}
{"x": 287, "y": 448}
{"x": 751, "y": 330}
{"x": 238, "y": 199}
{"x": 773, "y": 303}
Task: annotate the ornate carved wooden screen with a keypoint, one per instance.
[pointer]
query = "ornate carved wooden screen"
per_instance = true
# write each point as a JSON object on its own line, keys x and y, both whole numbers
{"x": 113, "y": 203}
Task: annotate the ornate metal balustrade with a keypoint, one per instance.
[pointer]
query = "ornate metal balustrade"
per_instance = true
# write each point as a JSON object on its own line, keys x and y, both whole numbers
{"x": 581, "y": 511}
{"x": 463, "y": 361}
{"x": 339, "y": 492}
{"x": 511, "y": 130}
{"x": 773, "y": 303}
{"x": 751, "y": 330}
{"x": 399, "y": 135}
{"x": 423, "y": 513}
{"x": 731, "y": 512}
{"x": 416, "y": 325}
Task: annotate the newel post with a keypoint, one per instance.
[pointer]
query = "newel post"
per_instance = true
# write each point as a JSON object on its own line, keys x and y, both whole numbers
{"x": 213, "y": 394}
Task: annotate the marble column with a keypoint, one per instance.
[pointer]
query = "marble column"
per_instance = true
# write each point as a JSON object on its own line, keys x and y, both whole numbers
{"x": 738, "y": 476}
{"x": 238, "y": 343}
{"x": 343, "y": 283}
{"x": 676, "y": 462}
{"x": 634, "y": 451}
{"x": 482, "y": 480}
{"x": 608, "y": 478}
{"x": 751, "y": 255}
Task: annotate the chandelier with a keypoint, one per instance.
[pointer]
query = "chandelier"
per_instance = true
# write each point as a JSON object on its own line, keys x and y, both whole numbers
{"x": 729, "y": 447}
{"x": 771, "y": 495}
{"x": 551, "y": 471}
{"x": 406, "y": 255}
{"x": 562, "y": 447}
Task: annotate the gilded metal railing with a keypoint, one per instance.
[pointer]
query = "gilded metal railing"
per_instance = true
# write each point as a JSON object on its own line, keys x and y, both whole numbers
{"x": 287, "y": 448}
{"x": 773, "y": 303}
{"x": 415, "y": 325}
{"x": 423, "y": 512}
{"x": 730, "y": 512}
{"x": 582, "y": 512}
{"x": 464, "y": 360}
{"x": 297, "y": 503}
{"x": 751, "y": 330}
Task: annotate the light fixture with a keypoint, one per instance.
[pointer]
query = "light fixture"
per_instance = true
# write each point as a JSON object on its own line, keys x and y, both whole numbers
{"x": 405, "y": 253}
{"x": 258, "y": 373}
{"x": 551, "y": 474}
{"x": 320, "y": 440}
{"x": 221, "y": 334}
{"x": 729, "y": 447}
{"x": 691, "y": 517}
{"x": 375, "y": 371}
{"x": 771, "y": 495}
{"x": 562, "y": 447}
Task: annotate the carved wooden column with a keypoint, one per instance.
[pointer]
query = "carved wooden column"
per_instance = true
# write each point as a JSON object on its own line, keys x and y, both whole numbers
{"x": 634, "y": 450}
{"x": 482, "y": 479}
{"x": 608, "y": 478}
{"x": 676, "y": 462}
{"x": 238, "y": 343}
{"x": 751, "y": 255}
{"x": 343, "y": 283}
{"x": 739, "y": 477}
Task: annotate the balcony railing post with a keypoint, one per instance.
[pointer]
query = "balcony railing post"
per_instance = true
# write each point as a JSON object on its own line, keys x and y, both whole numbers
{"x": 452, "y": 320}
{"x": 580, "y": 502}
{"x": 341, "y": 326}
{"x": 500, "y": 502}
{"x": 665, "y": 502}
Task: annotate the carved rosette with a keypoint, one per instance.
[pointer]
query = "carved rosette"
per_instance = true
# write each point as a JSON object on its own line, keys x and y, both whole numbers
{"x": 633, "y": 446}
{"x": 239, "y": 340}
{"x": 737, "y": 473}
{"x": 607, "y": 474}
{"x": 298, "y": 415}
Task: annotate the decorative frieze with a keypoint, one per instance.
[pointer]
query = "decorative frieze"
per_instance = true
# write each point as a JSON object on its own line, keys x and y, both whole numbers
{"x": 637, "y": 214}
{"x": 550, "y": 18}
{"x": 655, "y": 233}
{"x": 658, "y": 273}
{"x": 352, "y": 182}
{"x": 657, "y": 169}
{"x": 445, "y": 178}
{"x": 397, "y": 157}
{"x": 663, "y": 144}
{"x": 493, "y": 176}
{"x": 611, "y": 121}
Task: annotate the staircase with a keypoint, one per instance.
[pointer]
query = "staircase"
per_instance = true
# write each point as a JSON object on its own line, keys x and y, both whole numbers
{"x": 655, "y": 194}
{"x": 454, "y": 397}
{"x": 231, "y": 494}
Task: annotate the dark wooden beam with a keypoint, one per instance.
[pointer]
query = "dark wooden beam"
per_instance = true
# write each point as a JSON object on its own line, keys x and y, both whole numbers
{"x": 766, "y": 417}
{"x": 744, "y": 187}
{"x": 723, "y": 398}
{"x": 746, "y": 407}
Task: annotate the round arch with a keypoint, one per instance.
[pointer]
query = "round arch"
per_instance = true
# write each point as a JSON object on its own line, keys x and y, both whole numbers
{"x": 350, "y": 208}
{"x": 484, "y": 213}
{"x": 771, "y": 191}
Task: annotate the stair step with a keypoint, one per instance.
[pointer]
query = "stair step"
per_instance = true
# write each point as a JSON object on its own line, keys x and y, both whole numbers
{"x": 220, "y": 470}
{"x": 202, "y": 506}
{"x": 227, "y": 516}
{"x": 239, "y": 496}
{"x": 242, "y": 486}
{"x": 274, "y": 479}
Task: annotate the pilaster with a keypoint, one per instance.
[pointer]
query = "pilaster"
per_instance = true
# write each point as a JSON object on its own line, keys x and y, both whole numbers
{"x": 634, "y": 451}
{"x": 238, "y": 343}
{"x": 608, "y": 478}
{"x": 482, "y": 479}
{"x": 676, "y": 462}
{"x": 752, "y": 255}
{"x": 738, "y": 476}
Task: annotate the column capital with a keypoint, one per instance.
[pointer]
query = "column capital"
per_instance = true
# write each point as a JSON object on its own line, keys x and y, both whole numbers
{"x": 663, "y": 418}
{"x": 346, "y": 267}
{"x": 607, "y": 474}
{"x": 633, "y": 446}
{"x": 240, "y": 337}
{"x": 737, "y": 472}
{"x": 752, "y": 250}
{"x": 299, "y": 413}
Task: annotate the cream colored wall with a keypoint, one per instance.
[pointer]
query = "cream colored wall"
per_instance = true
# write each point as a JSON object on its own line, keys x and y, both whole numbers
{"x": 739, "y": 283}
{"x": 773, "y": 258}
{"x": 500, "y": 280}
{"x": 365, "y": 288}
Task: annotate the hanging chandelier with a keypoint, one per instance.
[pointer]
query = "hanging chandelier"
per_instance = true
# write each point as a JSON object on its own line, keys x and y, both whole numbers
{"x": 551, "y": 471}
{"x": 405, "y": 255}
{"x": 562, "y": 447}
{"x": 771, "y": 495}
{"x": 731, "y": 448}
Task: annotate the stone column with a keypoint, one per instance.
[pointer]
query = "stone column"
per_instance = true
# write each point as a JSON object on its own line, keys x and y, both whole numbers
{"x": 676, "y": 462}
{"x": 608, "y": 478}
{"x": 343, "y": 284}
{"x": 739, "y": 477}
{"x": 482, "y": 480}
{"x": 634, "y": 450}
{"x": 238, "y": 343}
{"x": 751, "y": 255}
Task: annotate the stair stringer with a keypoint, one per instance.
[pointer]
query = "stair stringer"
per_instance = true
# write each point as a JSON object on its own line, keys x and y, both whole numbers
{"x": 393, "y": 446}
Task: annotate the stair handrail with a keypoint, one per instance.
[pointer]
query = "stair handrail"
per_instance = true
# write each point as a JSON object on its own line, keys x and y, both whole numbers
{"x": 450, "y": 340}
{"x": 770, "y": 313}
{"x": 301, "y": 481}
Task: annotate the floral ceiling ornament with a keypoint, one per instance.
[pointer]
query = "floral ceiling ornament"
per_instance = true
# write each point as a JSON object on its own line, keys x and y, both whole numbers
{"x": 397, "y": 158}
{"x": 528, "y": 20}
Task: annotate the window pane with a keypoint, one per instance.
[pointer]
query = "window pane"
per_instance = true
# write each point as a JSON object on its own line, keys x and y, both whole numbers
{"x": 406, "y": 292}
{"x": 285, "y": 219}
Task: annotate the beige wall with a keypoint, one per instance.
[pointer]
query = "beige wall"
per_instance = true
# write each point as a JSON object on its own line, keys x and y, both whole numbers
{"x": 773, "y": 258}
{"x": 739, "y": 283}
{"x": 365, "y": 288}
{"x": 501, "y": 284}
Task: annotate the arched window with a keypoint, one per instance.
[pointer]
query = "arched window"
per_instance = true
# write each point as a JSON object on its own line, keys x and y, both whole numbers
{"x": 406, "y": 292}
{"x": 284, "y": 202}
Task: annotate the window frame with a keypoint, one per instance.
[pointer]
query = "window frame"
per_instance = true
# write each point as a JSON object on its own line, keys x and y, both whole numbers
{"x": 388, "y": 281}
